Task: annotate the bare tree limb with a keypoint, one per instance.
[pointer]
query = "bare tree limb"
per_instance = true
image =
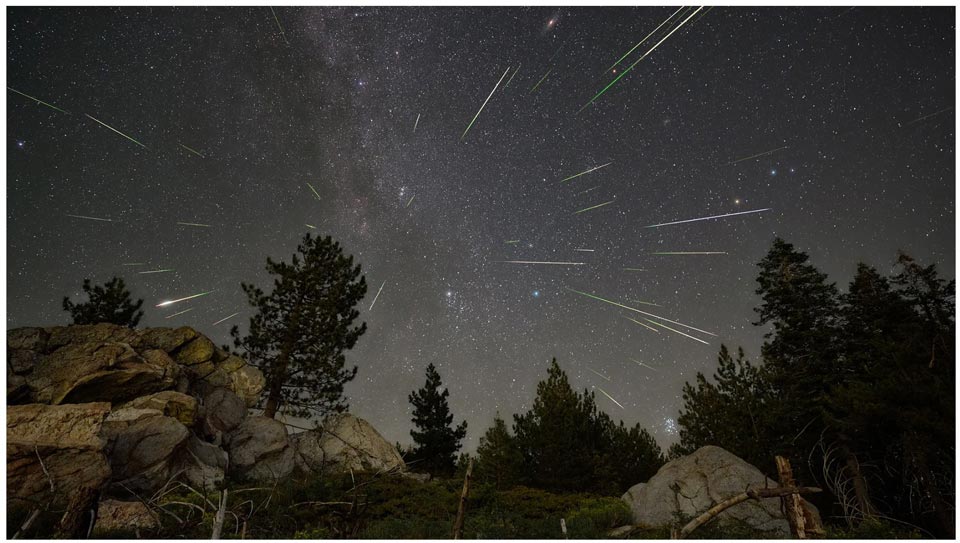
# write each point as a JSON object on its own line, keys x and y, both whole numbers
{"x": 753, "y": 494}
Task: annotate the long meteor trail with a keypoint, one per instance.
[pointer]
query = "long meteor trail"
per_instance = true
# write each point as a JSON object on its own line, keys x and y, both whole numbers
{"x": 595, "y": 168}
{"x": 377, "y": 296}
{"x": 194, "y": 151}
{"x": 690, "y": 253}
{"x": 710, "y": 218}
{"x": 115, "y": 130}
{"x": 535, "y": 262}
{"x": 598, "y": 374}
{"x": 171, "y": 302}
{"x": 484, "y": 104}
{"x": 507, "y": 84}
{"x": 89, "y": 218}
{"x": 638, "y": 311}
{"x": 194, "y": 224}
{"x": 156, "y": 271}
{"x": 541, "y": 80}
{"x": 39, "y": 101}
{"x": 642, "y": 364}
{"x": 593, "y": 207}
{"x": 944, "y": 110}
{"x": 315, "y": 193}
{"x": 609, "y": 397}
{"x": 677, "y": 331}
{"x": 642, "y": 324}
{"x": 179, "y": 313}
{"x": 758, "y": 155}
{"x": 225, "y": 318}
{"x": 623, "y": 73}
{"x": 645, "y": 38}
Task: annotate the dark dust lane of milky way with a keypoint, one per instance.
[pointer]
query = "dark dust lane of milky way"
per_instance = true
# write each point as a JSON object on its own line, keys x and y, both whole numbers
{"x": 498, "y": 172}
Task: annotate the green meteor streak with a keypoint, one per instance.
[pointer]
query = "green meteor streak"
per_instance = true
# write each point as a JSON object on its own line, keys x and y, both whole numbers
{"x": 595, "y": 168}
{"x": 117, "y": 131}
{"x": 644, "y": 325}
{"x": 623, "y": 73}
{"x": 280, "y": 26}
{"x": 638, "y": 311}
{"x": 484, "y": 104}
{"x": 315, "y": 193}
{"x": 644, "y": 39}
{"x": 541, "y": 80}
{"x": 191, "y": 150}
{"x": 507, "y": 84}
{"x": 593, "y": 207}
{"x": 179, "y": 313}
{"x": 513, "y": 241}
{"x": 690, "y": 253}
{"x": 39, "y": 101}
{"x": 677, "y": 331}
{"x": 635, "y": 269}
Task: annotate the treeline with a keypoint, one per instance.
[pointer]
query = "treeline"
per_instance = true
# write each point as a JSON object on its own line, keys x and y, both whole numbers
{"x": 856, "y": 387}
{"x": 564, "y": 443}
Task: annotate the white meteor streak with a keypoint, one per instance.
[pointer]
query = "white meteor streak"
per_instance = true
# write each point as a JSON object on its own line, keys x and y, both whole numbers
{"x": 609, "y": 397}
{"x": 179, "y": 313}
{"x": 600, "y": 375}
{"x": 194, "y": 224}
{"x": 156, "y": 271}
{"x": 171, "y": 302}
{"x": 484, "y": 104}
{"x": 642, "y": 324}
{"x": 377, "y": 296}
{"x": 690, "y": 253}
{"x": 710, "y": 218}
{"x": 89, "y": 218}
{"x": 225, "y": 318}
{"x": 585, "y": 250}
{"x": 117, "y": 131}
{"x": 638, "y": 311}
{"x": 535, "y": 262}
{"x": 644, "y": 365}
{"x": 595, "y": 168}
{"x": 677, "y": 331}
{"x": 416, "y": 122}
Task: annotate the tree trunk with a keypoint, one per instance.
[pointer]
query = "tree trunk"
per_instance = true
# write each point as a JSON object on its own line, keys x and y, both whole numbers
{"x": 458, "y": 525}
{"x": 859, "y": 483}
{"x": 278, "y": 371}
{"x": 791, "y": 502}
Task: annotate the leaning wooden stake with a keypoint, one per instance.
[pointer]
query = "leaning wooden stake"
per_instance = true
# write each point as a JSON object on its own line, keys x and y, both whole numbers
{"x": 221, "y": 514}
{"x": 458, "y": 525}
{"x": 791, "y": 502}
{"x": 756, "y": 494}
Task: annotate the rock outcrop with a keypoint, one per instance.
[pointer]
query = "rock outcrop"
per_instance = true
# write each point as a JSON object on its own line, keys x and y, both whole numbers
{"x": 345, "y": 443}
{"x": 260, "y": 450}
{"x": 690, "y": 485}
{"x": 115, "y": 516}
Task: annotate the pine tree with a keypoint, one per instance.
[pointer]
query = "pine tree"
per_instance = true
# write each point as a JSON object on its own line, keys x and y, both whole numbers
{"x": 498, "y": 458}
{"x": 634, "y": 457}
{"x": 436, "y": 442}
{"x": 108, "y": 303}
{"x": 303, "y": 328}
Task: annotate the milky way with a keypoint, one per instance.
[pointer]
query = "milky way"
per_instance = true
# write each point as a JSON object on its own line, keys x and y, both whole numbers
{"x": 223, "y": 135}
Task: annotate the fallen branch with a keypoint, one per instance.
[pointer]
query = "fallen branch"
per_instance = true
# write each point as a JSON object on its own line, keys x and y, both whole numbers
{"x": 26, "y": 524}
{"x": 753, "y": 494}
{"x": 221, "y": 514}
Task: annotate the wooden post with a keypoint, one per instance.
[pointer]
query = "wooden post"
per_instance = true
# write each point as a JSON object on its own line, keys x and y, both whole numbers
{"x": 791, "y": 502}
{"x": 458, "y": 525}
{"x": 563, "y": 528}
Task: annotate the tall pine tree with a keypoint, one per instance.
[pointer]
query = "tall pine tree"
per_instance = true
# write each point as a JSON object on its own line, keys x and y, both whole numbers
{"x": 436, "y": 442}
{"x": 498, "y": 458}
{"x": 108, "y": 303}
{"x": 302, "y": 329}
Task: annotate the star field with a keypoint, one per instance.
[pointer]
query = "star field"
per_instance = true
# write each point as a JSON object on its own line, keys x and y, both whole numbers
{"x": 367, "y": 106}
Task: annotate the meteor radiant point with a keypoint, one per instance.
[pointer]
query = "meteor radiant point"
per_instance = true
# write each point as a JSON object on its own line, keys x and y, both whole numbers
{"x": 171, "y": 302}
{"x": 593, "y": 207}
{"x": 115, "y": 130}
{"x": 609, "y": 397}
{"x": 37, "y": 100}
{"x": 89, "y": 218}
{"x": 595, "y": 168}
{"x": 225, "y": 318}
{"x": 535, "y": 262}
{"x": 623, "y": 73}
{"x": 377, "y": 296}
{"x": 710, "y": 218}
{"x": 484, "y": 104}
{"x": 638, "y": 311}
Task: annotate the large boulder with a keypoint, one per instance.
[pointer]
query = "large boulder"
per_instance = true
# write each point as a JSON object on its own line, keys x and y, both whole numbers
{"x": 222, "y": 411}
{"x": 345, "y": 443}
{"x": 204, "y": 464}
{"x": 58, "y": 443}
{"x": 690, "y": 485}
{"x": 170, "y": 403}
{"x": 143, "y": 447}
{"x": 260, "y": 450}
{"x": 235, "y": 374}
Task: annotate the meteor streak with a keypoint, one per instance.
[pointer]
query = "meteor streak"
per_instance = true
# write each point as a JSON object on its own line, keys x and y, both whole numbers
{"x": 593, "y": 207}
{"x": 609, "y": 397}
{"x": 410, "y": 200}
{"x": 507, "y": 84}
{"x": 315, "y": 193}
{"x": 156, "y": 271}
{"x": 89, "y": 218}
{"x": 484, "y": 104}
{"x": 39, "y": 101}
{"x": 133, "y": 264}
{"x": 642, "y": 324}
{"x": 690, "y": 253}
{"x": 377, "y": 296}
{"x": 310, "y": 226}
{"x": 635, "y": 269}
{"x": 117, "y": 131}
{"x": 623, "y": 73}
{"x": 225, "y": 318}
{"x": 191, "y": 150}
{"x": 925, "y": 116}
{"x": 280, "y": 26}
{"x": 193, "y": 224}
{"x": 586, "y": 172}
{"x": 646, "y": 303}
{"x": 535, "y": 262}
{"x": 585, "y": 250}
{"x": 638, "y": 311}
{"x": 644, "y": 39}
{"x": 541, "y": 80}
{"x": 765, "y": 153}
{"x": 642, "y": 364}
{"x": 179, "y": 313}
{"x": 171, "y": 302}
{"x": 677, "y": 331}
{"x": 512, "y": 241}
{"x": 415, "y": 123}
{"x": 602, "y": 376}
{"x": 710, "y": 218}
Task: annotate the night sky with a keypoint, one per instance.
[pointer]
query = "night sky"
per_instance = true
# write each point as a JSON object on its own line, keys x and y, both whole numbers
{"x": 232, "y": 117}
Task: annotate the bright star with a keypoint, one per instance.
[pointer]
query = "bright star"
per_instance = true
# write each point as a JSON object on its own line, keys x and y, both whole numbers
{"x": 536, "y": 294}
